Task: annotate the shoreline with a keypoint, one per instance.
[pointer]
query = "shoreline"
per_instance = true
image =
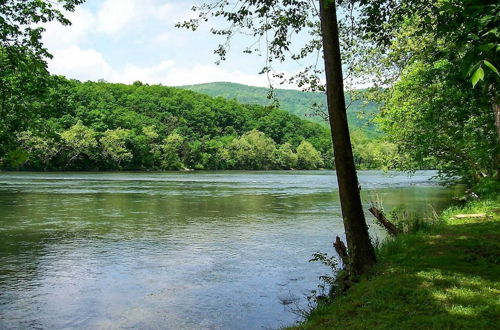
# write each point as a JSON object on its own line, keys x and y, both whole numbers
{"x": 443, "y": 276}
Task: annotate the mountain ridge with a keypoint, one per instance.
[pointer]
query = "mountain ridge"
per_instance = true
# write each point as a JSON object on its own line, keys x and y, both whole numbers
{"x": 299, "y": 103}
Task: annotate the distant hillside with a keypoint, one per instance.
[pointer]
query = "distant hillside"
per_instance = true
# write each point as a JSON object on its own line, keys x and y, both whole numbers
{"x": 296, "y": 102}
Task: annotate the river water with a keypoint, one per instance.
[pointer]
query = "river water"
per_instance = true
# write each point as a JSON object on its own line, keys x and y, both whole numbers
{"x": 201, "y": 250}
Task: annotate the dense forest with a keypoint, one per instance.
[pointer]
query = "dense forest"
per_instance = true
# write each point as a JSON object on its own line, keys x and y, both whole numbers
{"x": 104, "y": 126}
{"x": 99, "y": 125}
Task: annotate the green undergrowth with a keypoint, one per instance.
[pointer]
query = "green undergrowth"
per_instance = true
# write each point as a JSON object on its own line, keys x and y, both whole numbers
{"x": 443, "y": 277}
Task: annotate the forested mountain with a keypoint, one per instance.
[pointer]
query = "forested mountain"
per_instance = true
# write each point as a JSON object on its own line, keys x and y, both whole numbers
{"x": 99, "y": 125}
{"x": 294, "y": 101}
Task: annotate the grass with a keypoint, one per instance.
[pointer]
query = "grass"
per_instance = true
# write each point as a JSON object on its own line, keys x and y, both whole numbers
{"x": 446, "y": 277}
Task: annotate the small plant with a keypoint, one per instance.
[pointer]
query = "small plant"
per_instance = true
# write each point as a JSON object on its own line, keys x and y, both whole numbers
{"x": 399, "y": 220}
{"x": 411, "y": 223}
{"x": 333, "y": 284}
{"x": 329, "y": 261}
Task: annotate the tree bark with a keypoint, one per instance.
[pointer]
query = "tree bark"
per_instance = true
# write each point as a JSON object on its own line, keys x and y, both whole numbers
{"x": 496, "y": 114}
{"x": 341, "y": 251}
{"x": 360, "y": 249}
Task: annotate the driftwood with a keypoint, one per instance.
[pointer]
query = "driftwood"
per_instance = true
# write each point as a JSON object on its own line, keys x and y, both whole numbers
{"x": 477, "y": 215}
{"x": 341, "y": 251}
{"x": 389, "y": 226}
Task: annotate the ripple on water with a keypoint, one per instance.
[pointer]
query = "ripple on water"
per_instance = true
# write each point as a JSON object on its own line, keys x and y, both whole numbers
{"x": 217, "y": 250}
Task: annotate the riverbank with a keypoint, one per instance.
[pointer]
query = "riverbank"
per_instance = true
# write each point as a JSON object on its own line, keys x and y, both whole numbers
{"x": 444, "y": 277}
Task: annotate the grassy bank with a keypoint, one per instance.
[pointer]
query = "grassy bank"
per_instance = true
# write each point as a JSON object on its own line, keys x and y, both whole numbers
{"x": 442, "y": 278}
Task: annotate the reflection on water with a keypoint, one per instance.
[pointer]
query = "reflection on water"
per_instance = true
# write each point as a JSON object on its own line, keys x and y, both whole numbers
{"x": 173, "y": 250}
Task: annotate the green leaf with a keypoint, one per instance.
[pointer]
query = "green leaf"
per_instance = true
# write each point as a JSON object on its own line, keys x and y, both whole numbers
{"x": 478, "y": 75}
{"x": 486, "y": 47}
{"x": 473, "y": 68}
{"x": 491, "y": 66}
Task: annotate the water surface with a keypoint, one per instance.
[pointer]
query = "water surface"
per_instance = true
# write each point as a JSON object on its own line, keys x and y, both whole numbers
{"x": 204, "y": 250}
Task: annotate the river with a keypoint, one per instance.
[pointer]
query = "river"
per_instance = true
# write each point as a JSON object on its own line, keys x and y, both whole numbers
{"x": 200, "y": 250}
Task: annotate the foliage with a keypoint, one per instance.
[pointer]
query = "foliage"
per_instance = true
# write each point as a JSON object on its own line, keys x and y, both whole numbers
{"x": 284, "y": 156}
{"x": 171, "y": 152}
{"x": 79, "y": 141}
{"x": 471, "y": 27}
{"x": 430, "y": 57}
{"x": 39, "y": 149}
{"x": 308, "y": 156}
{"x": 253, "y": 150}
{"x": 20, "y": 30}
{"x": 373, "y": 153}
{"x": 444, "y": 126}
{"x": 98, "y": 125}
{"x": 114, "y": 145}
{"x": 486, "y": 188}
{"x": 23, "y": 74}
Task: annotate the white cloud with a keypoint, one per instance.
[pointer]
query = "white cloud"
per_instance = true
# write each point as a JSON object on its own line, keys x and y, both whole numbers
{"x": 152, "y": 75}
{"x": 114, "y": 15}
{"x": 166, "y": 12}
{"x": 57, "y": 36}
{"x": 89, "y": 64}
{"x": 162, "y": 38}
{"x": 77, "y": 63}
{"x": 204, "y": 73}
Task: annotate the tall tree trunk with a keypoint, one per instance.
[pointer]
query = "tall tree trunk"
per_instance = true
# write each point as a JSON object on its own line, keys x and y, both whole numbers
{"x": 360, "y": 249}
{"x": 496, "y": 114}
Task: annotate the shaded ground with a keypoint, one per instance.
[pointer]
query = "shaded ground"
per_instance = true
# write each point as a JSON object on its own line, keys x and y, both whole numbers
{"x": 444, "y": 278}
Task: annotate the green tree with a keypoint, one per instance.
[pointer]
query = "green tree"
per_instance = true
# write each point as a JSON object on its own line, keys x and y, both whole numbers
{"x": 79, "y": 141}
{"x": 20, "y": 31}
{"x": 149, "y": 114}
{"x": 40, "y": 149}
{"x": 152, "y": 140}
{"x": 171, "y": 152}
{"x": 439, "y": 60}
{"x": 219, "y": 153}
{"x": 146, "y": 147}
{"x": 308, "y": 158}
{"x": 284, "y": 157}
{"x": 443, "y": 126}
{"x": 24, "y": 79}
{"x": 253, "y": 150}
{"x": 114, "y": 146}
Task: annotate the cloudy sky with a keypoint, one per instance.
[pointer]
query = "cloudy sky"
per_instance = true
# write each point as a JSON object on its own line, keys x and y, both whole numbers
{"x": 129, "y": 40}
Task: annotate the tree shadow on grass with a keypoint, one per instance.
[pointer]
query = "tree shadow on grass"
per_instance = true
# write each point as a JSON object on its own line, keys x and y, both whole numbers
{"x": 445, "y": 280}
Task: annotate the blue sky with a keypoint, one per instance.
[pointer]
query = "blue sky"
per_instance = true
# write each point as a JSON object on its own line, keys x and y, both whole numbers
{"x": 129, "y": 40}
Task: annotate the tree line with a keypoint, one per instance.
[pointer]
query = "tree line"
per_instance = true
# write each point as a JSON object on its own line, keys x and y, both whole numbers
{"x": 105, "y": 126}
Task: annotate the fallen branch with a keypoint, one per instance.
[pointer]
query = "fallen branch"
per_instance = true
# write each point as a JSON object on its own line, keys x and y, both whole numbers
{"x": 389, "y": 226}
{"x": 477, "y": 215}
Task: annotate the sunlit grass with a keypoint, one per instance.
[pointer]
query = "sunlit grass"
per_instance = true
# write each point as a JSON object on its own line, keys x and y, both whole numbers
{"x": 445, "y": 277}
